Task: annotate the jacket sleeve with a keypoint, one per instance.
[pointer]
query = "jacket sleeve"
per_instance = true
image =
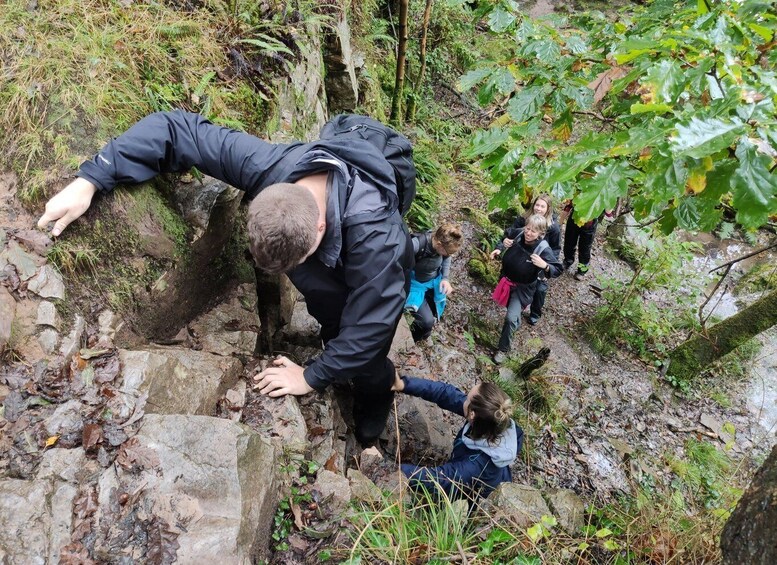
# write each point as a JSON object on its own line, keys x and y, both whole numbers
{"x": 445, "y": 268}
{"x": 446, "y": 396}
{"x": 447, "y": 476}
{"x": 553, "y": 237}
{"x": 553, "y": 262}
{"x": 167, "y": 142}
{"x": 373, "y": 271}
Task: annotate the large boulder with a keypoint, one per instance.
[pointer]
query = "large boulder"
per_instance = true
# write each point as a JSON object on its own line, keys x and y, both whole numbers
{"x": 522, "y": 504}
{"x": 36, "y": 516}
{"x": 210, "y": 483}
{"x": 749, "y": 536}
{"x": 178, "y": 381}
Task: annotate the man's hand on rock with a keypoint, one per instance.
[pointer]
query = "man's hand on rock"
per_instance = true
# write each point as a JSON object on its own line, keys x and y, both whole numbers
{"x": 281, "y": 378}
{"x": 67, "y": 205}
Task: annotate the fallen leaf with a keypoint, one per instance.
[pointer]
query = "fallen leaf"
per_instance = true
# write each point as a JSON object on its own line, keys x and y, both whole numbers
{"x": 91, "y": 353}
{"x": 74, "y": 554}
{"x": 297, "y": 512}
{"x": 52, "y": 440}
{"x": 138, "y": 412}
{"x": 162, "y": 542}
{"x": 298, "y": 542}
{"x": 315, "y": 431}
{"x": 132, "y": 454}
{"x": 331, "y": 464}
{"x": 106, "y": 368}
{"x": 92, "y": 435}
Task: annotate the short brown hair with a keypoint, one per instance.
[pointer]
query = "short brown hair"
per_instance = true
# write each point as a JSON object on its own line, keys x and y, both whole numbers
{"x": 282, "y": 222}
{"x": 493, "y": 412}
{"x": 449, "y": 236}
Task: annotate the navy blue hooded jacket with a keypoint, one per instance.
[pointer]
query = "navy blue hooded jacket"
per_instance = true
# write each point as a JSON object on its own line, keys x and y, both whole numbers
{"x": 475, "y": 470}
{"x": 354, "y": 284}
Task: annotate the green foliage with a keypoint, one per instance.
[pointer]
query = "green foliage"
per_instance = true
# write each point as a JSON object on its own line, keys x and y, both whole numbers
{"x": 684, "y": 94}
{"x": 629, "y": 318}
{"x": 761, "y": 278}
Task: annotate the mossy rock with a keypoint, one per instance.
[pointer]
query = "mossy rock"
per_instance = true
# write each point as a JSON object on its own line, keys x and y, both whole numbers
{"x": 484, "y": 271}
{"x": 762, "y": 277}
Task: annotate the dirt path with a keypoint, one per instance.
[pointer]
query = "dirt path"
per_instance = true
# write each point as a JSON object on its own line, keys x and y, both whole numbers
{"x": 615, "y": 421}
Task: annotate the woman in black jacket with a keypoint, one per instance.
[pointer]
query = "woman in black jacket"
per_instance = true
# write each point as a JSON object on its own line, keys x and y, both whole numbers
{"x": 522, "y": 263}
{"x": 543, "y": 206}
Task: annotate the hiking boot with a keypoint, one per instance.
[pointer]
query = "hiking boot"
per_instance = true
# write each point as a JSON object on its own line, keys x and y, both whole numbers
{"x": 499, "y": 357}
{"x": 534, "y": 319}
{"x": 567, "y": 265}
{"x": 581, "y": 271}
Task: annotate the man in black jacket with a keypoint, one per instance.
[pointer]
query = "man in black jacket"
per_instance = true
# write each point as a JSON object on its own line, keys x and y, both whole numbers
{"x": 342, "y": 240}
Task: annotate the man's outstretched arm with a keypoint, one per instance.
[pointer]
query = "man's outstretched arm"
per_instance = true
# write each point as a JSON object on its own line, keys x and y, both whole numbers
{"x": 164, "y": 142}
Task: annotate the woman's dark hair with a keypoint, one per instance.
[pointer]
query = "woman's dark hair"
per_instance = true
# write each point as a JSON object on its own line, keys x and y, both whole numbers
{"x": 493, "y": 409}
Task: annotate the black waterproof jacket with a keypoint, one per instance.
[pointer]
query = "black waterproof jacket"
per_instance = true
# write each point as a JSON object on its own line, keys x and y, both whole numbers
{"x": 552, "y": 236}
{"x": 354, "y": 284}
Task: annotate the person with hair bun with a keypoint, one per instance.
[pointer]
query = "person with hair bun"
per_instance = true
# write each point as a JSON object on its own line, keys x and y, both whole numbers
{"x": 485, "y": 446}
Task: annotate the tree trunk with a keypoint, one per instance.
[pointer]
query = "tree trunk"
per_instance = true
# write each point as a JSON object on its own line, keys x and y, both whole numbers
{"x": 698, "y": 352}
{"x": 749, "y": 535}
{"x": 399, "y": 84}
{"x": 411, "y": 102}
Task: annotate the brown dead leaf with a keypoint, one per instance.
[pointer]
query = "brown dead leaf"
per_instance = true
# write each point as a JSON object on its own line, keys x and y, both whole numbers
{"x": 331, "y": 464}
{"x": 84, "y": 507}
{"x": 316, "y": 431}
{"x": 162, "y": 542}
{"x": 297, "y": 512}
{"x": 133, "y": 455}
{"x": 74, "y": 554}
{"x": 299, "y": 543}
{"x": 602, "y": 84}
{"x": 106, "y": 368}
{"x": 92, "y": 435}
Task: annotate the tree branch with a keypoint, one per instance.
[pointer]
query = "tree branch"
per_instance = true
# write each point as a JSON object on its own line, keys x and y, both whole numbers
{"x": 738, "y": 259}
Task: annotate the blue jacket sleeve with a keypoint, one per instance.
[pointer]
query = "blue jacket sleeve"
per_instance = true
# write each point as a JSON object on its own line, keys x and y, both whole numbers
{"x": 463, "y": 472}
{"x": 373, "y": 270}
{"x": 167, "y": 142}
{"x": 446, "y": 396}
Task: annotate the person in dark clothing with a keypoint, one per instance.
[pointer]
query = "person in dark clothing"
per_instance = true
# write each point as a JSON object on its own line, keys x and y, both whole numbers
{"x": 543, "y": 206}
{"x": 522, "y": 264}
{"x": 580, "y": 238}
{"x": 325, "y": 212}
{"x": 430, "y": 286}
{"x": 483, "y": 449}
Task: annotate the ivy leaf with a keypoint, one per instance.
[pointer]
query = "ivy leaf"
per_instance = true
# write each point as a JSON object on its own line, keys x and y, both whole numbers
{"x": 500, "y": 19}
{"x": 754, "y": 187}
{"x": 705, "y": 137}
{"x": 601, "y": 192}
{"x": 527, "y": 103}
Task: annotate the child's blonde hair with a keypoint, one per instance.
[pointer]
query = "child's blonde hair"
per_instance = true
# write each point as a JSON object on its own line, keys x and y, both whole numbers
{"x": 537, "y": 223}
{"x": 450, "y": 237}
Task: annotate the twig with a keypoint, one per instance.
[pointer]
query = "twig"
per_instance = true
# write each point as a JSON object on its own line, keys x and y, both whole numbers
{"x": 702, "y": 319}
{"x": 743, "y": 257}
{"x": 464, "y": 559}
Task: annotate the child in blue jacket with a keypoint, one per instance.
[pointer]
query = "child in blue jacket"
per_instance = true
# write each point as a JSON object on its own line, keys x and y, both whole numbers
{"x": 483, "y": 449}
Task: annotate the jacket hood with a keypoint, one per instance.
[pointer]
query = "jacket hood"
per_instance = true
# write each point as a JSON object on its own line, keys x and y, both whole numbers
{"x": 502, "y": 451}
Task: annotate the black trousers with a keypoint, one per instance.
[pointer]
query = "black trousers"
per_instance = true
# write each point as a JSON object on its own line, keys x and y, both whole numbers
{"x": 580, "y": 238}
{"x": 424, "y": 318}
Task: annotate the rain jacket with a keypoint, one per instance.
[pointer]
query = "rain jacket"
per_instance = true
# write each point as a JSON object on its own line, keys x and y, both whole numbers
{"x": 355, "y": 282}
{"x": 476, "y": 467}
